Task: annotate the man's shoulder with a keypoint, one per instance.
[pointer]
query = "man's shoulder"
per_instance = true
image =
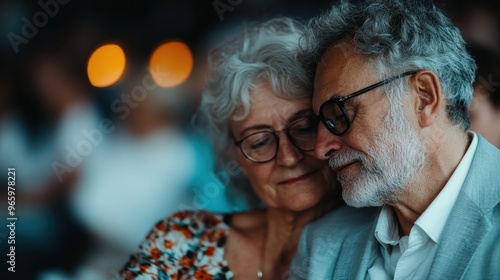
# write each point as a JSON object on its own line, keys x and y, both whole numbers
{"x": 482, "y": 184}
{"x": 343, "y": 221}
{"x": 338, "y": 241}
{"x": 347, "y": 215}
{"x": 486, "y": 151}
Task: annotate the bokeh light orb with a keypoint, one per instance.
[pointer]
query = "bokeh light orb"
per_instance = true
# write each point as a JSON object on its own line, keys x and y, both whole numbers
{"x": 106, "y": 65}
{"x": 171, "y": 64}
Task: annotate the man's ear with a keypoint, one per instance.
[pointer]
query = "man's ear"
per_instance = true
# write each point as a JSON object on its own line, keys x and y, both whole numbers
{"x": 428, "y": 100}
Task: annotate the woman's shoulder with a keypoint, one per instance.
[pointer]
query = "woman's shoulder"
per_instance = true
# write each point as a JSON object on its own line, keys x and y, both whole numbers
{"x": 183, "y": 245}
{"x": 193, "y": 221}
{"x": 192, "y": 227}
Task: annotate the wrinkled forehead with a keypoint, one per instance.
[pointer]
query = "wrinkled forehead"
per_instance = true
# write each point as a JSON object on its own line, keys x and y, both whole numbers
{"x": 341, "y": 71}
{"x": 267, "y": 108}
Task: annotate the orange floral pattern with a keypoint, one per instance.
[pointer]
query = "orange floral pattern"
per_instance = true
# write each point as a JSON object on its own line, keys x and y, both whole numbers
{"x": 186, "y": 245}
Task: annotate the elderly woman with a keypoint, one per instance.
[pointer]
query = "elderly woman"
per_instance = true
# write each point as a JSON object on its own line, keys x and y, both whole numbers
{"x": 257, "y": 110}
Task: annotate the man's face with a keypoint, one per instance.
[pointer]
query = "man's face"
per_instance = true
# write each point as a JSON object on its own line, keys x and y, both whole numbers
{"x": 379, "y": 154}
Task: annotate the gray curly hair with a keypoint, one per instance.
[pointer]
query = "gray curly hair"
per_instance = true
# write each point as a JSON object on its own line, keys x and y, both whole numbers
{"x": 398, "y": 35}
{"x": 264, "y": 51}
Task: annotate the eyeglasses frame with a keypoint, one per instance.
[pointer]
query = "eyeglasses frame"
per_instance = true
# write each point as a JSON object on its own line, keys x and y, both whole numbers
{"x": 340, "y": 101}
{"x": 285, "y": 130}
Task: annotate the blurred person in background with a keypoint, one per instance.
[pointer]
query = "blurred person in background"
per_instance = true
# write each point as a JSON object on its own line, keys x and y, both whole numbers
{"x": 48, "y": 105}
{"x": 257, "y": 112}
{"x": 484, "y": 110}
{"x": 142, "y": 168}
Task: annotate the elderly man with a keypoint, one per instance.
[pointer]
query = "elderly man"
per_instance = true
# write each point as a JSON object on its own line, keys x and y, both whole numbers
{"x": 392, "y": 84}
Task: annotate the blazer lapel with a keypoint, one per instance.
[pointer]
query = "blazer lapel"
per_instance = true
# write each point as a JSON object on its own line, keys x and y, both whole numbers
{"x": 465, "y": 230}
{"x": 469, "y": 221}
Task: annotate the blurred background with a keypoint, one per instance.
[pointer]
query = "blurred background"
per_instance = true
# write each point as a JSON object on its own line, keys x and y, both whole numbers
{"x": 96, "y": 101}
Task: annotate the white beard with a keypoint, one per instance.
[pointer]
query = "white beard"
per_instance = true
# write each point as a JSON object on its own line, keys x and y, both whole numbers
{"x": 397, "y": 154}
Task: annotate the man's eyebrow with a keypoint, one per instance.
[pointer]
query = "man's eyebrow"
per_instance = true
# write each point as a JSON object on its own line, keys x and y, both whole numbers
{"x": 335, "y": 97}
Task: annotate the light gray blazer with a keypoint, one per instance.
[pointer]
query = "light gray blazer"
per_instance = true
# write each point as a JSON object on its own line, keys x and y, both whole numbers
{"x": 342, "y": 244}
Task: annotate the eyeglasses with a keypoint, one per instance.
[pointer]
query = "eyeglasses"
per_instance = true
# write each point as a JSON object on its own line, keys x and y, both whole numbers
{"x": 333, "y": 113}
{"x": 263, "y": 146}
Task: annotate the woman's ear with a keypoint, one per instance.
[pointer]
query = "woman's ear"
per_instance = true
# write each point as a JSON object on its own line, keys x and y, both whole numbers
{"x": 429, "y": 97}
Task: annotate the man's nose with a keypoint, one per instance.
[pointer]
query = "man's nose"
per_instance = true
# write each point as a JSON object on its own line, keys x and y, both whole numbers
{"x": 326, "y": 143}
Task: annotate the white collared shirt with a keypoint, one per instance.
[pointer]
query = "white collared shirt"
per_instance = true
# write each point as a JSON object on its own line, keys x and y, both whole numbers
{"x": 411, "y": 257}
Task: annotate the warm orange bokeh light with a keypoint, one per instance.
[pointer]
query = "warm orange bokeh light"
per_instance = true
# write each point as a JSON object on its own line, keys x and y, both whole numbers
{"x": 171, "y": 63}
{"x": 106, "y": 65}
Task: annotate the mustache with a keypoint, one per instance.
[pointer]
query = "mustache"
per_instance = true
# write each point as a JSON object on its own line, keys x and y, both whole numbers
{"x": 344, "y": 157}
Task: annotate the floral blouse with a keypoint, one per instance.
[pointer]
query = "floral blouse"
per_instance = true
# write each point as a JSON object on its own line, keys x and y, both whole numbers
{"x": 186, "y": 245}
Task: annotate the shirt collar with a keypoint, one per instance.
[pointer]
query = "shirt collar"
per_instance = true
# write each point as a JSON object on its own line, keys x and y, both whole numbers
{"x": 387, "y": 228}
{"x": 434, "y": 218}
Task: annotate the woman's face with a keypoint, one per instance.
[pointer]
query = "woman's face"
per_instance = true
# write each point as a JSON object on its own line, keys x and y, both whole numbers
{"x": 293, "y": 179}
